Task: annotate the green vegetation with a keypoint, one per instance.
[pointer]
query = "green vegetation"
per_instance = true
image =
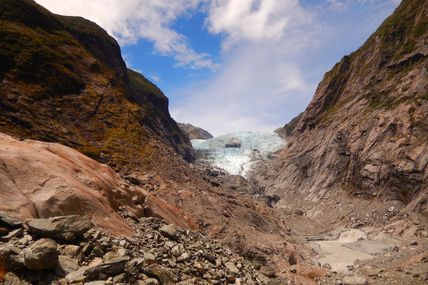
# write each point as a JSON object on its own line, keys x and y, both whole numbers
{"x": 140, "y": 85}
{"x": 25, "y": 50}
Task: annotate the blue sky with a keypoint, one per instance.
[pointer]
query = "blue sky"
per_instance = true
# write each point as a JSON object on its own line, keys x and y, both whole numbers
{"x": 234, "y": 65}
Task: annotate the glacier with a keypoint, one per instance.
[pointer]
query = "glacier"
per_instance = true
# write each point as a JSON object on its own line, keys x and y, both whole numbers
{"x": 255, "y": 146}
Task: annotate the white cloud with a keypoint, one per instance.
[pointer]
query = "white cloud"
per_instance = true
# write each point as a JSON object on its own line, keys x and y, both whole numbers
{"x": 132, "y": 20}
{"x": 253, "y": 20}
{"x": 155, "y": 78}
{"x": 274, "y": 51}
{"x": 257, "y": 85}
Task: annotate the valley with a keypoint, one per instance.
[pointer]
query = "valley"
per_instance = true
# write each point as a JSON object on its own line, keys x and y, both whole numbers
{"x": 99, "y": 185}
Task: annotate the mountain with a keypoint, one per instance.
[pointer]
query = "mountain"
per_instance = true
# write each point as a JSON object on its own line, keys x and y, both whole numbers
{"x": 63, "y": 80}
{"x": 193, "y": 132}
{"x": 365, "y": 132}
{"x": 83, "y": 134}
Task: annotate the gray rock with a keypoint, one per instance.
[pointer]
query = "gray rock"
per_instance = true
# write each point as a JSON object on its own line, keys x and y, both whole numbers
{"x": 267, "y": 270}
{"x": 71, "y": 250}
{"x": 162, "y": 274}
{"x": 354, "y": 280}
{"x": 42, "y": 254}
{"x": 77, "y": 276}
{"x": 149, "y": 258}
{"x": 121, "y": 278}
{"x": 231, "y": 267}
{"x": 66, "y": 265}
{"x": 11, "y": 257}
{"x": 110, "y": 268}
{"x": 169, "y": 231}
{"x": 9, "y": 221}
{"x": 63, "y": 227}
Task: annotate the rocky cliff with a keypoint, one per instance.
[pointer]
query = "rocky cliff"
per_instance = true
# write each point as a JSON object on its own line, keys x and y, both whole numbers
{"x": 63, "y": 80}
{"x": 365, "y": 132}
{"x": 193, "y": 132}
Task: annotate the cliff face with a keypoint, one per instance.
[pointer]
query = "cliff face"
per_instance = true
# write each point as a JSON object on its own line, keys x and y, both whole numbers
{"x": 63, "y": 80}
{"x": 193, "y": 132}
{"x": 365, "y": 132}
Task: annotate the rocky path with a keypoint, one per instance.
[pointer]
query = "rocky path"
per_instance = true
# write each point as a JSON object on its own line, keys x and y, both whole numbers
{"x": 68, "y": 250}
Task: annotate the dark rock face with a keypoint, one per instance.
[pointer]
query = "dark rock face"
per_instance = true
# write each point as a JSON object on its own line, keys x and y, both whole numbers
{"x": 193, "y": 132}
{"x": 365, "y": 131}
{"x": 63, "y": 80}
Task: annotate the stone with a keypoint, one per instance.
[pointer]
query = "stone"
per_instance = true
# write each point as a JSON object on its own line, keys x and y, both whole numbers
{"x": 10, "y": 257}
{"x": 9, "y": 221}
{"x": 66, "y": 265}
{"x": 354, "y": 280}
{"x": 149, "y": 281}
{"x": 62, "y": 227}
{"x": 99, "y": 282}
{"x": 121, "y": 278}
{"x": 184, "y": 257}
{"x": 11, "y": 279}
{"x": 163, "y": 275}
{"x": 326, "y": 266}
{"x": 231, "y": 267}
{"x": 149, "y": 258}
{"x": 268, "y": 270}
{"x": 71, "y": 250}
{"x": 169, "y": 231}
{"x": 42, "y": 254}
{"x": 77, "y": 276}
{"x": 15, "y": 233}
{"x": 177, "y": 250}
{"x": 110, "y": 268}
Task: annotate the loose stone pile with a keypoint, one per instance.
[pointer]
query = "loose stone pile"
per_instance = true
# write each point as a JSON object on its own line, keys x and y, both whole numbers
{"x": 67, "y": 250}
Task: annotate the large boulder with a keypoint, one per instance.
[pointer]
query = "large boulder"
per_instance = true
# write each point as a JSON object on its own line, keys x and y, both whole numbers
{"x": 42, "y": 254}
{"x": 62, "y": 227}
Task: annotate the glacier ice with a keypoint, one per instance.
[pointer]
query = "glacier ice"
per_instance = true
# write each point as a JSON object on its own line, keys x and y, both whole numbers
{"x": 254, "y": 146}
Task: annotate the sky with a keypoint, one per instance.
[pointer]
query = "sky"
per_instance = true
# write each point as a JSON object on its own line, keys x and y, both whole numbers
{"x": 233, "y": 65}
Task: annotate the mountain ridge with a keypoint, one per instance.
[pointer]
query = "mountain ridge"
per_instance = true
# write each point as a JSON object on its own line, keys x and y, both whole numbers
{"x": 81, "y": 78}
{"x": 364, "y": 131}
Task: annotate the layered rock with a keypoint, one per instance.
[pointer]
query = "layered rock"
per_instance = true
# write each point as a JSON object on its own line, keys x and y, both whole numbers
{"x": 63, "y": 80}
{"x": 42, "y": 180}
{"x": 193, "y": 132}
{"x": 365, "y": 131}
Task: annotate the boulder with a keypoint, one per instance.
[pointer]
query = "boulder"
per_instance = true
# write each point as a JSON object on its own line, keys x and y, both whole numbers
{"x": 267, "y": 270}
{"x": 42, "y": 254}
{"x": 66, "y": 265}
{"x": 163, "y": 275}
{"x": 169, "y": 231}
{"x": 10, "y": 257}
{"x": 9, "y": 221}
{"x": 110, "y": 268}
{"x": 231, "y": 267}
{"x": 62, "y": 227}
